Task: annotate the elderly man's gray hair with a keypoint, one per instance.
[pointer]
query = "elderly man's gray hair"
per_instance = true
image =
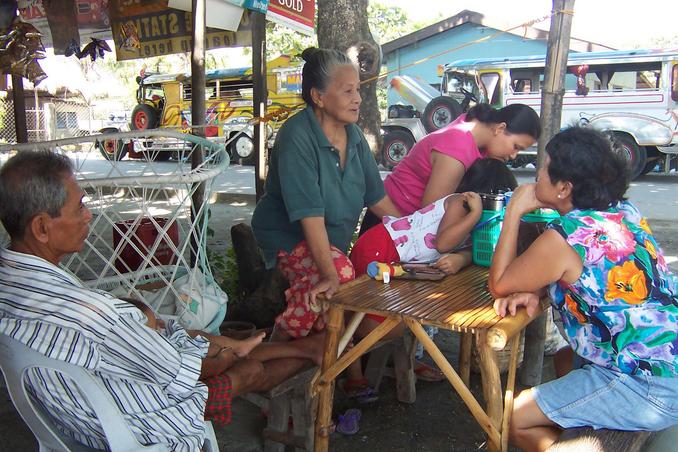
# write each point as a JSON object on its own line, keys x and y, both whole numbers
{"x": 32, "y": 182}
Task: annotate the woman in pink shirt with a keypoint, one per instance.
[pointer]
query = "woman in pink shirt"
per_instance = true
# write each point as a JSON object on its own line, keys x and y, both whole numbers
{"x": 435, "y": 165}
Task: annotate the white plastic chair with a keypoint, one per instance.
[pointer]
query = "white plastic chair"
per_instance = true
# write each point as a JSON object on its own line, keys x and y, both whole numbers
{"x": 15, "y": 360}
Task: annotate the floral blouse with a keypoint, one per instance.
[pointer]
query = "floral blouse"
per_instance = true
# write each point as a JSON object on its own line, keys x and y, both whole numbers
{"x": 622, "y": 312}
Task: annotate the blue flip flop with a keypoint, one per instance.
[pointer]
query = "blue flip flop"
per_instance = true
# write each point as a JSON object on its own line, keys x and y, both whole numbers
{"x": 348, "y": 422}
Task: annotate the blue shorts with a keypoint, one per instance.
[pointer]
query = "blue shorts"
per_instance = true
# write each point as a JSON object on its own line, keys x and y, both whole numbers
{"x": 603, "y": 398}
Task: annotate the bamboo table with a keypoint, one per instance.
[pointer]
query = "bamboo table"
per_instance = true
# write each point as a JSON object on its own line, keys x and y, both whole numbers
{"x": 459, "y": 303}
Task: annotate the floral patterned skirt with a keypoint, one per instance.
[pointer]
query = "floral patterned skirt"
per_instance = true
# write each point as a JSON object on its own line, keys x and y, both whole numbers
{"x": 301, "y": 317}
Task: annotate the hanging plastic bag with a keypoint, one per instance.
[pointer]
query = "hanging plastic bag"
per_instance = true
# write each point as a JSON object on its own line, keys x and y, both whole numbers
{"x": 201, "y": 304}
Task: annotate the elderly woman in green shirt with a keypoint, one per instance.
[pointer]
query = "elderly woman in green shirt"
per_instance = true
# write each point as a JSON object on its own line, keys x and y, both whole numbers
{"x": 321, "y": 175}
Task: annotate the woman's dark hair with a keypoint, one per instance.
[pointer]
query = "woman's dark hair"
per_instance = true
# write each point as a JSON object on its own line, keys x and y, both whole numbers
{"x": 487, "y": 176}
{"x": 318, "y": 69}
{"x": 519, "y": 118}
{"x": 592, "y": 163}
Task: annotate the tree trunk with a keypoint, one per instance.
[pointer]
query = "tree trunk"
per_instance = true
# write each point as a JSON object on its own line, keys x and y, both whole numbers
{"x": 262, "y": 291}
{"x": 342, "y": 25}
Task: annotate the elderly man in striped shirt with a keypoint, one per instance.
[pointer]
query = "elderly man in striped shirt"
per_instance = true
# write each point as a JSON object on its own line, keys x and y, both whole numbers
{"x": 164, "y": 382}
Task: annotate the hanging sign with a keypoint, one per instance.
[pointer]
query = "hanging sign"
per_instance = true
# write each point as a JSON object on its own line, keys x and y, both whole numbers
{"x": 149, "y": 28}
{"x": 91, "y": 21}
{"x": 296, "y": 14}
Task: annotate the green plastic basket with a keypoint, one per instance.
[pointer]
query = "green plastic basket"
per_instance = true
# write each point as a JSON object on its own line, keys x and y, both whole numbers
{"x": 541, "y": 216}
{"x": 486, "y": 235}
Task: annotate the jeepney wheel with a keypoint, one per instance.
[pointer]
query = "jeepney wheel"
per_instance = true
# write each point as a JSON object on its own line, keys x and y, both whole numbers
{"x": 112, "y": 149}
{"x": 144, "y": 117}
{"x": 397, "y": 144}
{"x": 242, "y": 149}
{"x": 635, "y": 155}
{"x": 441, "y": 111}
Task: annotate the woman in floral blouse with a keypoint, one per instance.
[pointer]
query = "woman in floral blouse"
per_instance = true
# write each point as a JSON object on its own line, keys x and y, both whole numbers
{"x": 608, "y": 279}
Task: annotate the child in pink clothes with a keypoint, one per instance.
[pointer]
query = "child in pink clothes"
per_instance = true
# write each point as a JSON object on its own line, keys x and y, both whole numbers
{"x": 436, "y": 164}
{"x": 439, "y": 228}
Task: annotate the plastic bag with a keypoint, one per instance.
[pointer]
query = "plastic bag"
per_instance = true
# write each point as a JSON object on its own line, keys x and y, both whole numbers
{"x": 201, "y": 304}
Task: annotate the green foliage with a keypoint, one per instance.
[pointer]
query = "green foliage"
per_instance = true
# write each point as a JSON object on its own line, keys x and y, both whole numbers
{"x": 225, "y": 270}
{"x": 281, "y": 40}
{"x": 388, "y": 23}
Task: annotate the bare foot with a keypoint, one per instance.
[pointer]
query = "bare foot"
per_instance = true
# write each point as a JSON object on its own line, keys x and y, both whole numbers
{"x": 243, "y": 347}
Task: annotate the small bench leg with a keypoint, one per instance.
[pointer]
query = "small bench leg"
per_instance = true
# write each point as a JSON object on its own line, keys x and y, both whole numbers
{"x": 278, "y": 422}
{"x": 403, "y": 362}
{"x": 376, "y": 365}
{"x": 303, "y": 413}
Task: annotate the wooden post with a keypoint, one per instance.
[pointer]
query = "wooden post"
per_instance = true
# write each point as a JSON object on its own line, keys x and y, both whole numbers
{"x": 259, "y": 97}
{"x": 197, "y": 110}
{"x": 19, "y": 109}
{"x": 550, "y": 113}
{"x": 533, "y": 357}
{"x": 554, "y": 73}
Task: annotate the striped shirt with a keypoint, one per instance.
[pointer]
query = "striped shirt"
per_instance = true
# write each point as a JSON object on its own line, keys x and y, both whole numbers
{"x": 152, "y": 376}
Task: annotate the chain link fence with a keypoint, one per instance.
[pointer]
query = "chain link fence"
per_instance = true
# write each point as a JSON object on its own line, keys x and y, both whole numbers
{"x": 51, "y": 118}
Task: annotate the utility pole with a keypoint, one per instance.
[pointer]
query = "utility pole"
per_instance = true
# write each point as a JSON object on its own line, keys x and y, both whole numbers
{"x": 550, "y": 114}
{"x": 554, "y": 74}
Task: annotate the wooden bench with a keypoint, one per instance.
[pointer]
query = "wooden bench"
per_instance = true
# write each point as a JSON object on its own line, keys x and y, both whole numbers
{"x": 292, "y": 398}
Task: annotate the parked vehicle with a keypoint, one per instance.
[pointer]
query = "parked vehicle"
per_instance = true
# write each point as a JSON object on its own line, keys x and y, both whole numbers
{"x": 633, "y": 94}
{"x": 407, "y": 124}
{"x": 164, "y": 100}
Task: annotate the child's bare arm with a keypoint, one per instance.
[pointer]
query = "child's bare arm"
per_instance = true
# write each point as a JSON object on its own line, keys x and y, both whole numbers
{"x": 457, "y": 222}
{"x": 453, "y": 262}
{"x": 153, "y": 321}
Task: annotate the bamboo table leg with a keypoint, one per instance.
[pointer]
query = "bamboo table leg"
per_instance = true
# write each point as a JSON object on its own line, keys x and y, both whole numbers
{"x": 491, "y": 380}
{"x": 483, "y": 419}
{"x": 465, "y": 349}
{"x": 508, "y": 395}
{"x": 324, "y": 419}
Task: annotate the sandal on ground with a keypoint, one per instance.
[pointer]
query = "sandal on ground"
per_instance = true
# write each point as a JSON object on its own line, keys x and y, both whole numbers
{"x": 360, "y": 390}
{"x": 427, "y": 372}
{"x": 348, "y": 422}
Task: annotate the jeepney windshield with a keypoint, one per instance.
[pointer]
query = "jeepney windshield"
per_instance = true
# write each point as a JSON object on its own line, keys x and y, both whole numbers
{"x": 150, "y": 92}
{"x": 455, "y": 81}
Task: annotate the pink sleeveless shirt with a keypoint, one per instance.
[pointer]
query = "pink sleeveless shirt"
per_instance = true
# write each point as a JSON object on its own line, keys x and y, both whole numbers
{"x": 407, "y": 183}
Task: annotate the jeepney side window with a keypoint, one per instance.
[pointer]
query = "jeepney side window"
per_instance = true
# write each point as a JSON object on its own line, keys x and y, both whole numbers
{"x": 186, "y": 91}
{"x": 635, "y": 77}
{"x": 491, "y": 85}
{"x": 674, "y": 82}
{"x": 211, "y": 90}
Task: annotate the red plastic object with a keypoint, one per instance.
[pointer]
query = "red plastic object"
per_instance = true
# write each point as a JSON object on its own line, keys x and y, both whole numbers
{"x": 144, "y": 238}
